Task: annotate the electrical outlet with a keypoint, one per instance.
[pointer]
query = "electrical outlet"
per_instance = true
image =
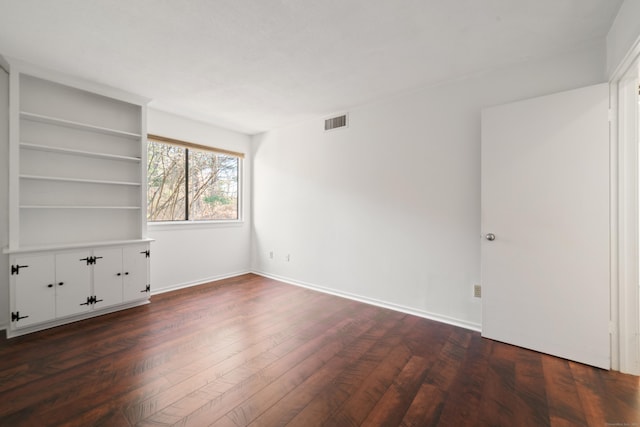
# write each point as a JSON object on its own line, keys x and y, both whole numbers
{"x": 477, "y": 291}
{"x": 271, "y": 255}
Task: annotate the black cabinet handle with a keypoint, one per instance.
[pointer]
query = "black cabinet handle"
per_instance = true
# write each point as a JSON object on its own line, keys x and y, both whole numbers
{"x": 50, "y": 285}
{"x": 61, "y": 283}
{"x": 126, "y": 273}
{"x": 119, "y": 274}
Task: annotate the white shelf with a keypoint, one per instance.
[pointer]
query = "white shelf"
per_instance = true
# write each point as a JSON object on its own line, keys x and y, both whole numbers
{"x": 80, "y": 180}
{"x": 77, "y": 207}
{"x": 95, "y": 244}
{"x": 38, "y": 147}
{"x": 77, "y": 125}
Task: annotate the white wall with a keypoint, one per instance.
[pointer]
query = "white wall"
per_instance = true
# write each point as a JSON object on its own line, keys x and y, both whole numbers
{"x": 388, "y": 210}
{"x": 186, "y": 254}
{"x": 4, "y": 196}
{"x": 624, "y": 32}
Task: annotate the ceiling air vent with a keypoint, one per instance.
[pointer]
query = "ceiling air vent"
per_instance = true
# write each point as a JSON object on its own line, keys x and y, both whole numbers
{"x": 336, "y": 122}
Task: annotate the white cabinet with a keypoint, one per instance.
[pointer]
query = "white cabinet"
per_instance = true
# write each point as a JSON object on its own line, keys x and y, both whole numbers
{"x": 32, "y": 290}
{"x": 49, "y": 286}
{"x": 77, "y": 190}
{"x": 135, "y": 272}
{"x": 107, "y": 282}
{"x": 72, "y": 283}
{"x": 52, "y": 288}
{"x": 121, "y": 274}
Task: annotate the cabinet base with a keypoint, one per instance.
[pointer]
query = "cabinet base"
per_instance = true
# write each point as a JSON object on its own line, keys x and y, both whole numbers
{"x": 16, "y": 332}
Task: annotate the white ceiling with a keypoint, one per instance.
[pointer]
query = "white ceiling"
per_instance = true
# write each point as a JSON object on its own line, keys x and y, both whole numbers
{"x": 253, "y": 65}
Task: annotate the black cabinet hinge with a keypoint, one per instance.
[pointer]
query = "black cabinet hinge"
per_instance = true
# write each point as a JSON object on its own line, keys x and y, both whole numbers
{"x": 15, "y": 269}
{"x": 91, "y": 259}
{"x": 146, "y": 253}
{"x": 91, "y": 300}
{"x": 147, "y": 289}
{"x": 16, "y": 316}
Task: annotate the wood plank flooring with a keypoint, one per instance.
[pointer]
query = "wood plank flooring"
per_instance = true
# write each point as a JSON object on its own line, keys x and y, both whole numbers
{"x": 250, "y": 351}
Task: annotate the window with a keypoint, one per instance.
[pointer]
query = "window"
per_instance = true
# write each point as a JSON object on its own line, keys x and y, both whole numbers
{"x": 191, "y": 182}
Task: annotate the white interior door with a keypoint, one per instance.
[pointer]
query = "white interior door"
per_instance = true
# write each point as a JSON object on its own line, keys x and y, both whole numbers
{"x": 545, "y": 197}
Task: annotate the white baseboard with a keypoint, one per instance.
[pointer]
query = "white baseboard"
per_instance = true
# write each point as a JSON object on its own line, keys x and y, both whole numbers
{"x": 197, "y": 282}
{"x": 391, "y": 306}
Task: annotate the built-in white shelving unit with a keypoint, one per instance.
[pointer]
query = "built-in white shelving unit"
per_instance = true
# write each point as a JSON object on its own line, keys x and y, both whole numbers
{"x": 77, "y": 181}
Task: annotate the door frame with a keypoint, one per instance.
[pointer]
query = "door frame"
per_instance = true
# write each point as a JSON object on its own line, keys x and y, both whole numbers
{"x": 625, "y": 227}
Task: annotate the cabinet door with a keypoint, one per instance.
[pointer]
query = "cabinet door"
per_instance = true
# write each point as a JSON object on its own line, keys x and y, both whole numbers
{"x": 33, "y": 290}
{"x": 107, "y": 277}
{"x": 73, "y": 283}
{"x": 135, "y": 266}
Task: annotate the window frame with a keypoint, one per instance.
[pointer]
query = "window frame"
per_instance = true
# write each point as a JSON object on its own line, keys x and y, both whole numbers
{"x": 206, "y": 223}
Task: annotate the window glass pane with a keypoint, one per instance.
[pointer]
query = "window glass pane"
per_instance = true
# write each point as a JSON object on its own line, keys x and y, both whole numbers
{"x": 213, "y": 186}
{"x": 166, "y": 182}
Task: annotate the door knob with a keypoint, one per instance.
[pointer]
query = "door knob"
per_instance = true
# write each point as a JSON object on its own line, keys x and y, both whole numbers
{"x": 490, "y": 237}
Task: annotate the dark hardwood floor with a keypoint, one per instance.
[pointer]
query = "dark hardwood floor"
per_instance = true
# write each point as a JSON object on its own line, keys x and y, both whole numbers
{"x": 253, "y": 351}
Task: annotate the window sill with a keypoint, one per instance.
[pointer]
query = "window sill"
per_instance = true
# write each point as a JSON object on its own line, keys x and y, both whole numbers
{"x": 176, "y": 225}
